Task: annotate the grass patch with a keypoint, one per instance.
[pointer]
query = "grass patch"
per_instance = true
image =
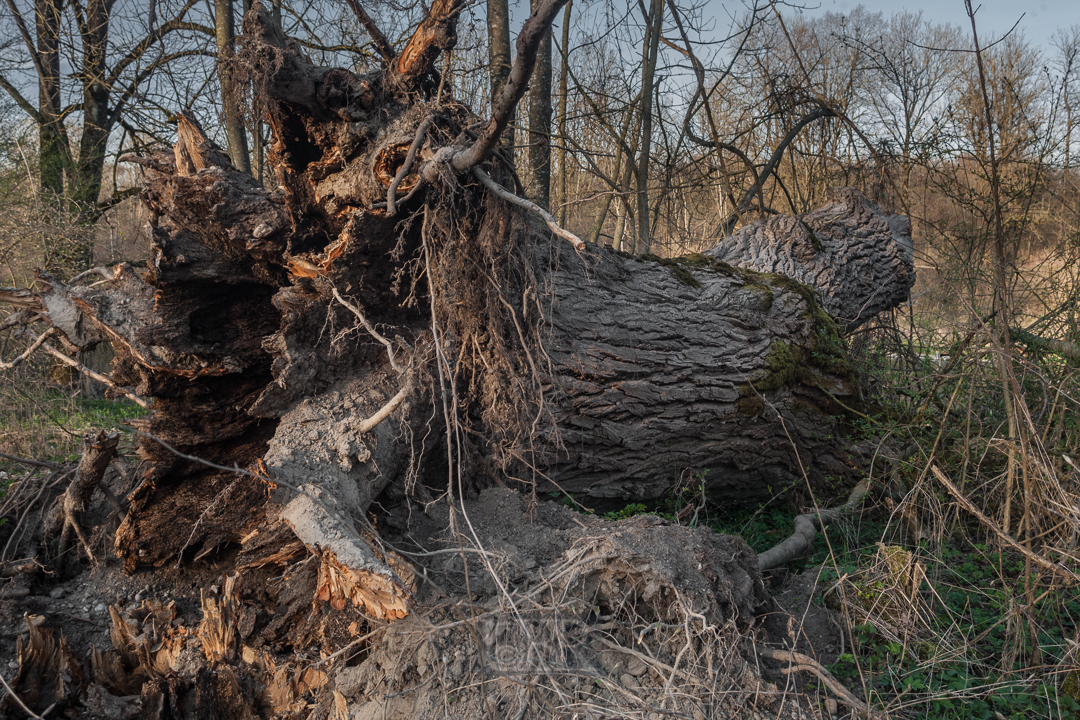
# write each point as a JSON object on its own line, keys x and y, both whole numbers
{"x": 49, "y": 424}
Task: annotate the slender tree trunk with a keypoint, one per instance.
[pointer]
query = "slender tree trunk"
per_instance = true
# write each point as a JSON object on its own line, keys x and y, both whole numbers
{"x": 258, "y": 158}
{"x": 623, "y": 210}
{"x": 598, "y": 227}
{"x": 234, "y": 120}
{"x": 499, "y": 54}
{"x": 50, "y": 140}
{"x": 538, "y": 170}
{"x": 648, "y": 75}
{"x": 563, "y": 92}
{"x": 97, "y": 124}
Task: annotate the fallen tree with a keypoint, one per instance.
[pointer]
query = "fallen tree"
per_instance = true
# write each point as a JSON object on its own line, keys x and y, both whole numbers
{"x": 389, "y": 325}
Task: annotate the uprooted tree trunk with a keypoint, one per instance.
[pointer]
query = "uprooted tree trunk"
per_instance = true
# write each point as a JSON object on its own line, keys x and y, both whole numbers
{"x": 388, "y": 322}
{"x": 386, "y": 325}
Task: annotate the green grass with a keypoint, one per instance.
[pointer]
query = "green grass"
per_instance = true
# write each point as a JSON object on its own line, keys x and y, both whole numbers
{"x": 50, "y": 425}
{"x": 965, "y": 662}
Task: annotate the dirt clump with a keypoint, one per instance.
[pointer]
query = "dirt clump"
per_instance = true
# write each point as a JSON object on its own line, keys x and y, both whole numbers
{"x": 523, "y": 609}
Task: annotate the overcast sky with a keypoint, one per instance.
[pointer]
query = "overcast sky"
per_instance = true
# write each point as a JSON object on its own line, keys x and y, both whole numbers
{"x": 1038, "y": 18}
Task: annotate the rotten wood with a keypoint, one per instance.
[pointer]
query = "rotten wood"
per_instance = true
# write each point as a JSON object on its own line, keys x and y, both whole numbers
{"x": 66, "y": 518}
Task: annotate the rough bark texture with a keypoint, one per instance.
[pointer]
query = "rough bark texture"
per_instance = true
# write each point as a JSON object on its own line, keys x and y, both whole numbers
{"x": 600, "y": 374}
{"x": 330, "y": 382}
{"x": 857, "y": 257}
{"x": 667, "y": 368}
{"x": 647, "y": 371}
{"x": 538, "y": 155}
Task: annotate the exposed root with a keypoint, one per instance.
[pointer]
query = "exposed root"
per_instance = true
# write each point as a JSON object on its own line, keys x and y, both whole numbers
{"x": 372, "y": 422}
{"x": 806, "y": 530}
{"x": 371, "y": 330}
{"x": 403, "y": 171}
{"x": 532, "y": 207}
{"x": 804, "y": 663}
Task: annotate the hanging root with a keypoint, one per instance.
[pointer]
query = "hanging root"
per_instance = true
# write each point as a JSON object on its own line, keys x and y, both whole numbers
{"x": 481, "y": 268}
{"x": 371, "y": 330}
{"x": 532, "y": 207}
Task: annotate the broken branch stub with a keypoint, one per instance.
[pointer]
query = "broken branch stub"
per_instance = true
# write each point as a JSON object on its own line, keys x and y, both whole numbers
{"x": 66, "y": 518}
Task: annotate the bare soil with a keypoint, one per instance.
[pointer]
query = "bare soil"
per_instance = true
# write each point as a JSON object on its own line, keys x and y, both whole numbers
{"x": 524, "y": 609}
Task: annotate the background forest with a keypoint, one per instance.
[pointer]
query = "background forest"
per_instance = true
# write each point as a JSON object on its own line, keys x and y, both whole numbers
{"x": 659, "y": 127}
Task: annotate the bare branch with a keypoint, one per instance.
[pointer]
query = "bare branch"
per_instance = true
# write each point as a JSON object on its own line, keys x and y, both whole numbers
{"x": 530, "y": 206}
{"x": 38, "y": 342}
{"x": 381, "y": 43}
{"x": 87, "y": 371}
{"x": 728, "y": 223}
{"x": 527, "y": 43}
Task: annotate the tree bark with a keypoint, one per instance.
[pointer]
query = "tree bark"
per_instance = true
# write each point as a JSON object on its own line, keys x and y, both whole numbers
{"x": 51, "y": 143}
{"x": 655, "y": 26}
{"x": 499, "y": 59}
{"x": 858, "y": 258}
{"x": 538, "y": 155}
{"x": 230, "y": 100}
{"x": 564, "y": 79}
{"x": 306, "y": 353}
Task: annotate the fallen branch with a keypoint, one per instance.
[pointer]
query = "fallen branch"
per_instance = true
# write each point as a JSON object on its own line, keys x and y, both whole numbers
{"x": 806, "y": 527}
{"x": 38, "y": 342}
{"x": 1062, "y": 572}
{"x": 28, "y": 461}
{"x": 532, "y": 207}
{"x": 1068, "y": 350}
{"x": 808, "y": 664}
{"x": 96, "y": 375}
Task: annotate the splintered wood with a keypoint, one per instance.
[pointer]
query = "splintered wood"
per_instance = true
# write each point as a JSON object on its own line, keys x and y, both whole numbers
{"x": 379, "y": 596}
{"x": 145, "y": 645}
{"x": 284, "y": 686}
{"x": 352, "y": 568}
{"x": 49, "y": 672}
{"x": 217, "y": 631}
